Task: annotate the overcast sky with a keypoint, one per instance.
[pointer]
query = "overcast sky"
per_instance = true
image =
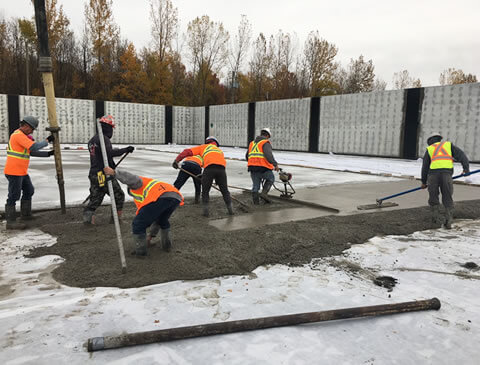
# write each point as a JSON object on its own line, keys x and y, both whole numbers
{"x": 424, "y": 37}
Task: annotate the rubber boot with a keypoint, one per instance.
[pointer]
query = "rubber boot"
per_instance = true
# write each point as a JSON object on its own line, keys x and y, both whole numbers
{"x": 266, "y": 188}
{"x": 119, "y": 214}
{"x": 448, "y": 218}
{"x": 436, "y": 215}
{"x": 197, "y": 198}
{"x": 26, "y": 210}
{"x": 166, "y": 240}
{"x": 88, "y": 217}
{"x": 154, "y": 228}
{"x": 205, "y": 213}
{"x": 11, "y": 218}
{"x": 140, "y": 245}
{"x": 255, "y": 198}
{"x": 230, "y": 208}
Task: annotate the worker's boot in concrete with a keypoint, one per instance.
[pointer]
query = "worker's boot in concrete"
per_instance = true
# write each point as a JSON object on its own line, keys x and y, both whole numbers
{"x": 154, "y": 228}
{"x": 11, "y": 218}
{"x": 140, "y": 241}
{"x": 166, "y": 240}
{"x": 205, "y": 212}
{"x": 230, "y": 208}
{"x": 436, "y": 215}
{"x": 119, "y": 215}
{"x": 255, "y": 198}
{"x": 88, "y": 217}
{"x": 197, "y": 198}
{"x": 266, "y": 188}
{"x": 26, "y": 210}
{"x": 448, "y": 218}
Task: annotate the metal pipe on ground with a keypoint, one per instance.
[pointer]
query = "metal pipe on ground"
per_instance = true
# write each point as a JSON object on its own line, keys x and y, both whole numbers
{"x": 143, "y": 338}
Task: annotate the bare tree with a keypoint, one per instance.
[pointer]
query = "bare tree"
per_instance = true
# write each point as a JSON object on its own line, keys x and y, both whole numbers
{"x": 164, "y": 18}
{"x": 452, "y": 76}
{"x": 239, "y": 49}
{"x": 360, "y": 76}
{"x": 403, "y": 80}
{"x": 259, "y": 66}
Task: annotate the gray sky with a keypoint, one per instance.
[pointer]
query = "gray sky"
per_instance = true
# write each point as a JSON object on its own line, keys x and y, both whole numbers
{"x": 424, "y": 37}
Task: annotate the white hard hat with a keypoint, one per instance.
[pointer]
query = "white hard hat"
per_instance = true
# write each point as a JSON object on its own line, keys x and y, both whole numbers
{"x": 266, "y": 130}
{"x": 210, "y": 139}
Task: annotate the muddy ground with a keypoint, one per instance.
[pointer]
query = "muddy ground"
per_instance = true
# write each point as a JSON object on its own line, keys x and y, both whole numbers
{"x": 200, "y": 251}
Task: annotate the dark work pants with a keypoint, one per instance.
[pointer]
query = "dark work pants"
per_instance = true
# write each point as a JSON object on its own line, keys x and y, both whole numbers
{"x": 97, "y": 193}
{"x": 440, "y": 182}
{"x": 19, "y": 186}
{"x": 158, "y": 211}
{"x": 217, "y": 173}
{"x": 257, "y": 178}
{"x": 182, "y": 177}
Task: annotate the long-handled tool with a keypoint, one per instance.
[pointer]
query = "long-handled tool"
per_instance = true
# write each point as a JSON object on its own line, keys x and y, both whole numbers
{"x": 118, "y": 163}
{"x": 380, "y": 201}
{"x": 215, "y": 187}
{"x": 142, "y": 338}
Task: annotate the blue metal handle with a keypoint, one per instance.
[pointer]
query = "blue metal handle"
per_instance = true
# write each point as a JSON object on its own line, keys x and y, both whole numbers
{"x": 379, "y": 201}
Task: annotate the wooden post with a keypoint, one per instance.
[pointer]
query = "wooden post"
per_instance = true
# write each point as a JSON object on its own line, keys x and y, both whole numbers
{"x": 142, "y": 338}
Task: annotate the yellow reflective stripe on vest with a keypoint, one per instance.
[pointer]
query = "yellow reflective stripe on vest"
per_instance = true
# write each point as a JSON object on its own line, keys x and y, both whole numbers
{"x": 209, "y": 149}
{"x": 440, "y": 155}
{"x": 255, "y": 152}
{"x": 15, "y": 154}
{"x": 141, "y": 197}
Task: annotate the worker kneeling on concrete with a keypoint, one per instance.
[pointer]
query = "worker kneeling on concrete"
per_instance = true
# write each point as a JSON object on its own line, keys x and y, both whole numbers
{"x": 155, "y": 201}
{"x": 260, "y": 165}
{"x": 437, "y": 171}
{"x": 191, "y": 166}
{"x": 19, "y": 149}
{"x": 214, "y": 168}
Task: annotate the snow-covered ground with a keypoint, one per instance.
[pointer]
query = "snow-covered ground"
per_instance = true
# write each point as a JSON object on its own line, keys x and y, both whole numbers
{"x": 44, "y": 322}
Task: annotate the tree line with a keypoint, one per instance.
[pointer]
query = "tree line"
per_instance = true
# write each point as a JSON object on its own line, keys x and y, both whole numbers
{"x": 204, "y": 66}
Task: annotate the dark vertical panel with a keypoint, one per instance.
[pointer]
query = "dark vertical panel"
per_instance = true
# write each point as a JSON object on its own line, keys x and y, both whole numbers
{"x": 13, "y": 106}
{"x": 207, "y": 121}
{"x": 314, "y": 128}
{"x": 251, "y": 123}
{"x": 413, "y": 106}
{"x": 99, "y": 111}
{"x": 168, "y": 124}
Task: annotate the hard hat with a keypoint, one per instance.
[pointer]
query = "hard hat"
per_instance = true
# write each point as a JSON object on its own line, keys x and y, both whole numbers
{"x": 433, "y": 137}
{"x": 31, "y": 121}
{"x": 210, "y": 139}
{"x": 435, "y": 134}
{"x": 266, "y": 130}
{"x": 108, "y": 119}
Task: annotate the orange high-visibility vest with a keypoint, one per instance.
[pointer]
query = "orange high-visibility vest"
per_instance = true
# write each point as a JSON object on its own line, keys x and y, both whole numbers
{"x": 440, "y": 155}
{"x": 150, "y": 191}
{"x": 197, "y": 159}
{"x": 211, "y": 154}
{"x": 256, "y": 156}
{"x": 18, "y": 154}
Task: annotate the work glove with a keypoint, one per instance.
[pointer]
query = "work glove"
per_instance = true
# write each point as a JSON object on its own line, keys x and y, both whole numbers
{"x": 130, "y": 149}
{"x": 51, "y": 138}
{"x": 51, "y": 153}
{"x": 175, "y": 164}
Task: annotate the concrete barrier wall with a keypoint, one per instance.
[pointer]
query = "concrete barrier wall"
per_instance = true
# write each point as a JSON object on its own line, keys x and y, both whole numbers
{"x": 287, "y": 119}
{"x": 198, "y": 123}
{"x": 4, "y": 126}
{"x": 137, "y": 123}
{"x": 363, "y": 124}
{"x": 76, "y": 117}
{"x": 183, "y": 128}
{"x": 229, "y": 124}
{"x": 454, "y": 112}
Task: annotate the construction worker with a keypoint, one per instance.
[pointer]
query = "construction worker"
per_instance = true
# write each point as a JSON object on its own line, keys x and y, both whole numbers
{"x": 260, "y": 165}
{"x": 19, "y": 149}
{"x": 155, "y": 201}
{"x": 437, "y": 171}
{"x": 192, "y": 166}
{"x": 98, "y": 186}
{"x": 214, "y": 168}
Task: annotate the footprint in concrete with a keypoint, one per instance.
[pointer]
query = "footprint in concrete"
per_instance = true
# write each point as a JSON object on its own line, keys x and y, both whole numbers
{"x": 385, "y": 281}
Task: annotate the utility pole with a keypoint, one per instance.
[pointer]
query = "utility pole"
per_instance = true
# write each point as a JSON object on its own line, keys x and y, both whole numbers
{"x": 45, "y": 67}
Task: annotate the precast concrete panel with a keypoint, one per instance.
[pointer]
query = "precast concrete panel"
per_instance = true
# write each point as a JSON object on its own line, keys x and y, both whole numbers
{"x": 454, "y": 112}
{"x": 288, "y": 121}
{"x": 183, "y": 130}
{"x": 229, "y": 124}
{"x": 198, "y": 124}
{"x": 75, "y": 117}
{"x": 137, "y": 123}
{"x": 4, "y": 129}
{"x": 364, "y": 124}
